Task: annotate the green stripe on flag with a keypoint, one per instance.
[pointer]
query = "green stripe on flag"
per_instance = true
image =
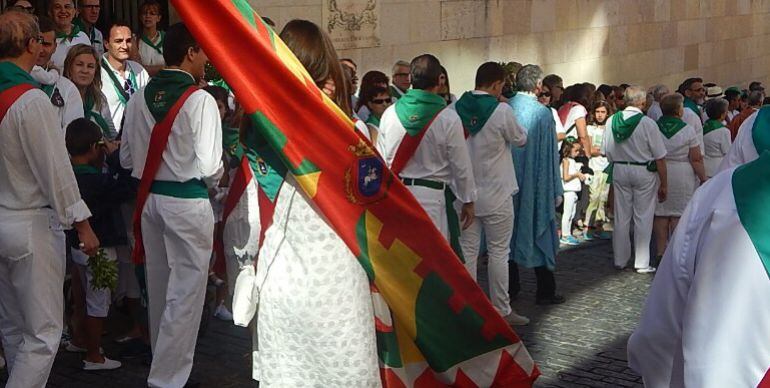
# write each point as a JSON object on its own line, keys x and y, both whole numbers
{"x": 751, "y": 190}
{"x": 363, "y": 242}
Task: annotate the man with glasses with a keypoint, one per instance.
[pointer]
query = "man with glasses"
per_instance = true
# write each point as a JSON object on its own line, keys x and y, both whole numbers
{"x": 401, "y": 80}
{"x": 89, "y": 15}
{"x": 67, "y": 34}
{"x": 39, "y": 198}
{"x": 121, "y": 77}
{"x": 62, "y": 93}
{"x": 694, "y": 94}
{"x": 21, "y": 5}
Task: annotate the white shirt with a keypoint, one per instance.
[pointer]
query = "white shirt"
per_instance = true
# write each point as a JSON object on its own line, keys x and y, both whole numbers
{"x": 644, "y": 145}
{"x": 150, "y": 56}
{"x": 442, "y": 155}
{"x": 490, "y": 153}
{"x": 557, "y": 120}
{"x": 678, "y": 146}
{"x": 717, "y": 144}
{"x": 73, "y": 103}
{"x": 743, "y": 150}
{"x": 63, "y": 47}
{"x": 706, "y": 322}
{"x": 194, "y": 149}
{"x": 655, "y": 113}
{"x": 597, "y": 163}
{"x": 576, "y": 112}
{"x": 573, "y": 168}
{"x": 34, "y": 165}
{"x": 694, "y": 120}
{"x": 117, "y": 107}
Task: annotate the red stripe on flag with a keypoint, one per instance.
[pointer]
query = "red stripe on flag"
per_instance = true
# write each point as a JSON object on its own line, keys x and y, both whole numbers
{"x": 381, "y": 327}
{"x": 765, "y": 383}
{"x": 390, "y": 379}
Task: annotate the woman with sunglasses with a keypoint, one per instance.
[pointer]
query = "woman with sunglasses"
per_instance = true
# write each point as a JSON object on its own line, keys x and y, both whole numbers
{"x": 371, "y": 80}
{"x": 376, "y": 100}
{"x": 81, "y": 67}
{"x": 545, "y": 98}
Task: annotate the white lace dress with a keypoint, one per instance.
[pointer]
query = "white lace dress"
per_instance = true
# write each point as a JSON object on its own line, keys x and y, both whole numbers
{"x": 682, "y": 180}
{"x": 315, "y": 323}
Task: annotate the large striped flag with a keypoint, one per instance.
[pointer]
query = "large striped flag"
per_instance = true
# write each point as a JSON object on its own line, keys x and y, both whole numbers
{"x": 435, "y": 327}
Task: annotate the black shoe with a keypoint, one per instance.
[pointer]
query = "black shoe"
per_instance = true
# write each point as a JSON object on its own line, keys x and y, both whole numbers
{"x": 135, "y": 348}
{"x": 192, "y": 384}
{"x": 556, "y": 299}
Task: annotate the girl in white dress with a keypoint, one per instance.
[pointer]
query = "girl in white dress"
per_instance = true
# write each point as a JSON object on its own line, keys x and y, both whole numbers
{"x": 684, "y": 164}
{"x": 716, "y": 137}
{"x": 315, "y": 325}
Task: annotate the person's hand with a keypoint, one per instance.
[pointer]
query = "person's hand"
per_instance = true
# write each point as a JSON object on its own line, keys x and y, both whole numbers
{"x": 582, "y": 177}
{"x": 662, "y": 193}
{"x": 89, "y": 243}
{"x": 111, "y": 146}
{"x": 467, "y": 214}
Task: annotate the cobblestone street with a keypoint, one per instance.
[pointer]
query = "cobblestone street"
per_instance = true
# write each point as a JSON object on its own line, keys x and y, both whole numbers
{"x": 577, "y": 344}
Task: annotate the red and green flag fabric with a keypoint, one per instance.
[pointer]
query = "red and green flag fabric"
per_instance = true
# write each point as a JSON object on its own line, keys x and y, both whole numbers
{"x": 434, "y": 325}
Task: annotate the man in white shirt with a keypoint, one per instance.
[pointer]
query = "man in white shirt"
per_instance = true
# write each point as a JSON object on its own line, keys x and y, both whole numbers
{"x": 151, "y": 42}
{"x": 657, "y": 91}
{"x": 634, "y": 144}
{"x": 121, "y": 77}
{"x": 39, "y": 198}
{"x": 62, "y": 93}
{"x": 89, "y": 15}
{"x": 424, "y": 144}
{"x": 706, "y": 322}
{"x": 176, "y": 223}
{"x": 694, "y": 94}
{"x": 493, "y": 131}
{"x": 63, "y": 12}
{"x": 401, "y": 80}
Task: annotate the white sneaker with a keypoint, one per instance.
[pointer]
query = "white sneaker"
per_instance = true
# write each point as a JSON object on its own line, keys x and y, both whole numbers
{"x": 645, "y": 270}
{"x": 2, "y": 362}
{"x": 106, "y": 365}
{"x": 223, "y": 313}
{"x": 514, "y": 319}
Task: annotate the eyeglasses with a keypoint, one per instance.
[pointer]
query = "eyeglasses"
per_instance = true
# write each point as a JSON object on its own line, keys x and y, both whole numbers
{"x": 91, "y": 6}
{"x": 401, "y": 75}
{"x": 544, "y": 94}
{"x": 380, "y": 101}
{"x": 701, "y": 89}
{"x": 29, "y": 9}
{"x": 38, "y": 39}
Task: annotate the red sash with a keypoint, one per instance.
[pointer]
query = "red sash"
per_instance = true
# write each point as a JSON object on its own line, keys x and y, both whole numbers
{"x": 158, "y": 143}
{"x": 408, "y": 147}
{"x": 564, "y": 111}
{"x": 9, "y": 96}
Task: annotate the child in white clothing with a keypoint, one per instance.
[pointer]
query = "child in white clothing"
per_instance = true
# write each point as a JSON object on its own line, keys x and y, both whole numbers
{"x": 571, "y": 178}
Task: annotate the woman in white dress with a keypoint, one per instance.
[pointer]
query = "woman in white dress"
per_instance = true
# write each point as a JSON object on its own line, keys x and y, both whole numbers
{"x": 315, "y": 324}
{"x": 684, "y": 163}
{"x": 716, "y": 137}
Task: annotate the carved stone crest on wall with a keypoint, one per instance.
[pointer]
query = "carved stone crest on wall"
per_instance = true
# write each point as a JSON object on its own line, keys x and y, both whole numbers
{"x": 352, "y": 23}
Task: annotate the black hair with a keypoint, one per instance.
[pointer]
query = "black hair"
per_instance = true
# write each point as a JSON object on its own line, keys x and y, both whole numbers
{"x": 732, "y": 94}
{"x": 116, "y": 23}
{"x": 81, "y": 135}
{"x": 489, "y": 73}
{"x": 46, "y": 24}
{"x": 177, "y": 42}
{"x": 425, "y": 71}
{"x": 220, "y": 94}
{"x": 552, "y": 80}
{"x": 687, "y": 84}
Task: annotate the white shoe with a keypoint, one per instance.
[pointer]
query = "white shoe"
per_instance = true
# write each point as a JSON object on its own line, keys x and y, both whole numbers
{"x": 223, "y": 313}
{"x": 514, "y": 319}
{"x": 645, "y": 270}
{"x": 72, "y": 348}
{"x": 106, "y": 365}
{"x": 2, "y": 362}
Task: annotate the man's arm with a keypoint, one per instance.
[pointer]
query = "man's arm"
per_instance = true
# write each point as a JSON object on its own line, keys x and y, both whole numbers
{"x": 513, "y": 132}
{"x": 207, "y": 127}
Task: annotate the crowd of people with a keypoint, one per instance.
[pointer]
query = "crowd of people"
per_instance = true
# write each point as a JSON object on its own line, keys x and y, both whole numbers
{"x": 509, "y": 171}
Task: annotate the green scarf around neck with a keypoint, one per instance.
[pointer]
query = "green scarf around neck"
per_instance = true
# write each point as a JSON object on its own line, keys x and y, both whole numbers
{"x": 95, "y": 116}
{"x": 711, "y": 125}
{"x": 670, "y": 125}
{"x": 159, "y": 46}
{"x": 12, "y": 75}
{"x": 692, "y": 105}
{"x": 231, "y": 142}
{"x": 73, "y": 33}
{"x": 373, "y": 120}
{"x": 475, "y": 110}
{"x": 164, "y": 89}
{"x": 623, "y": 128}
{"x": 417, "y": 108}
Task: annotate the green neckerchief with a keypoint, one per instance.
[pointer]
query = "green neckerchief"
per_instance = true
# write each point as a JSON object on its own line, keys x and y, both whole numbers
{"x": 12, "y": 75}
{"x": 751, "y": 191}
{"x": 159, "y": 46}
{"x": 164, "y": 89}
{"x": 475, "y": 110}
{"x": 48, "y": 89}
{"x": 622, "y": 128}
{"x": 373, "y": 120}
{"x": 711, "y": 125}
{"x": 670, "y": 125}
{"x": 231, "y": 142}
{"x": 93, "y": 115}
{"x": 760, "y": 132}
{"x": 417, "y": 108}
{"x": 73, "y": 33}
{"x": 91, "y": 34}
{"x": 82, "y": 169}
{"x": 119, "y": 89}
{"x": 266, "y": 165}
{"x": 691, "y": 105}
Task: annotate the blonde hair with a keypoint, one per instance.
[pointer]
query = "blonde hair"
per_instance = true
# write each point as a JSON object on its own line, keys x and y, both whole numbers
{"x": 94, "y": 90}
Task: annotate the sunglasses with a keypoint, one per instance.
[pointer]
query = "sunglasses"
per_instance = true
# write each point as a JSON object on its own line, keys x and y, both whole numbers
{"x": 29, "y": 9}
{"x": 544, "y": 94}
{"x": 380, "y": 101}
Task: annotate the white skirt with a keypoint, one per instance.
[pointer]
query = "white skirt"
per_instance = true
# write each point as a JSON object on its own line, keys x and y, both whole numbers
{"x": 682, "y": 183}
{"x": 712, "y": 165}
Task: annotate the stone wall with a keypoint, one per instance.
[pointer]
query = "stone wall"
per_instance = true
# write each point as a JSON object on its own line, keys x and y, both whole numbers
{"x": 600, "y": 41}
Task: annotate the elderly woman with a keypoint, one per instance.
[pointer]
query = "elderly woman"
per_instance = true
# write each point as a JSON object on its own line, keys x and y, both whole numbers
{"x": 716, "y": 137}
{"x": 684, "y": 162}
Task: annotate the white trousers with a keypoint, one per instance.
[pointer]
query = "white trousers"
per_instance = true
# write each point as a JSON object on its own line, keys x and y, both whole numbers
{"x": 32, "y": 263}
{"x": 570, "y": 206}
{"x": 498, "y": 228}
{"x": 178, "y": 238}
{"x": 636, "y": 192}
{"x": 433, "y": 202}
